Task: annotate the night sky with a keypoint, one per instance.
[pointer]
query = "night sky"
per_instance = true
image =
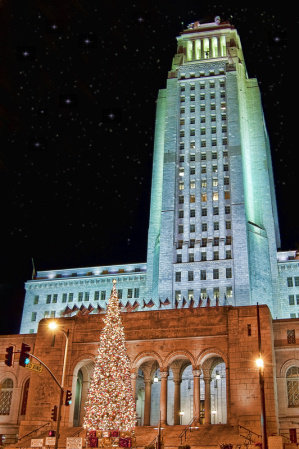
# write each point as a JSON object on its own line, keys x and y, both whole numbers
{"x": 78, "y": 88}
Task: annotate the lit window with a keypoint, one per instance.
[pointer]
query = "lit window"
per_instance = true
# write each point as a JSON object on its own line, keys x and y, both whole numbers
{"x": 192, "y": 157}
{"x": 192, "y": 120}
{"x": 191, "y": 257}
{"x": 290, "y": 282}
{"x": 216, "y": 225}
{"x": 182, "y": 133}
{"x": 216, "y": 292}
{"x": 216, "y": 273}
{"x": 190, "y": 276}
{"x": 213, "y": 129}
{"x": 216, "y": 255}
{"x": 192, "y": 213}
{"x": 180, "y": 244}
{"x": 181, "y": 171}
{"x": 181, "y": 199}
{"x": 46, "y": 314}
{"x": 227, "y": 209}
{"x": 228, "y": 254}
{"x": 33, "y": 316}
{"x": 192, "y": 198}
{"x": 228, "y": 240}
{"x": 228, "y": 273}
{"x": 291, "y": 300}
{"x": 179, "y": 258}
{"x": 178, "y": 295}
{"x": 215, "y": 210}
{"x": 226, "y": 195}
{"x": 203, "y": 257}
{"x": 192, "y": 228}
{"x": 192, "y": 170}
{"x": 181, "y": 185}
{"x": 204, "y": 212}
{"x": 64, "y": 297}
{"x": 181, "y": 229}
{"x": 181, "y": 214}
{"x": 178, "y": 276}
{"x": 192, "y": 184}
{"x": 204, "y": 243}
{"x": 192, "y": 132}
{"x": 130, "y": 293}
{"x": 203, "y": 275}
{"x": 203, "y": 169}
{"x": 192, "y": 108}
{"x": 103, "y": 295}
{"x": 204, "y": 227}
{"x": 215, "y": 196}
{"x": 203, "y": 197}
{"x": 86, "y": 297}
{"x": 229, "y": 292}
{"x": 35, "y": 300}
{"x": 228, "y": 224}
{"x": 182, "y": 99}
{"x": 203, "y": 183}
{"x": 292, "y": 376}
{"x": 202, "y": 120}
{"x": 216, "y": 241}
{"x": 214, "y": 168}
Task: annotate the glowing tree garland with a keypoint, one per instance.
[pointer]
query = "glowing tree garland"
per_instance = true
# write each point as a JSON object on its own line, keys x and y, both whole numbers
{"x": 110, "y": 404}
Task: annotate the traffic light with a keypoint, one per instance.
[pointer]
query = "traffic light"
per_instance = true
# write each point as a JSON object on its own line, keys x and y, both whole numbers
{"x": 68, "y": 397}
{"x": 52, "y": 433}
{"x": 54, "y": 413}
{"x": 9, "y": 356}
{"x": 24, "y": 356}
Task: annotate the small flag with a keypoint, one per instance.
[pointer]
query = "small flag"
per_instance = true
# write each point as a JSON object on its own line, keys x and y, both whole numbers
{"x": 208, "y": 302}
{"x": 191, "y": 304}
{"x": 200, "y": 302}
{"x": 184, "y": 301}
{"x": 217, "y": 303}
{"x": 33, "y": 270}
{"x": 176, "y": 303}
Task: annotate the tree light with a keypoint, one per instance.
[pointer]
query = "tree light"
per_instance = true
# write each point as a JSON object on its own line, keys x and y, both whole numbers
{"x": 260, "y": 362}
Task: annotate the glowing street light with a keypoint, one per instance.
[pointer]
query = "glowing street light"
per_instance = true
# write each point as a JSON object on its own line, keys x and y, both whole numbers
{"x": 181, "y": 416}
{"x": 53, "y": 325}
{"x": 259, "y": 363}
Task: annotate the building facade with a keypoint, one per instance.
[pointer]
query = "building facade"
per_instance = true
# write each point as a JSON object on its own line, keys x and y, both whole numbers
{"x": 213, "y": 232}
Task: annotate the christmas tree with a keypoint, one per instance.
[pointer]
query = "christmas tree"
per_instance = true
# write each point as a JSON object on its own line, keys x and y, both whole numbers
{"x": 110, "y": 404}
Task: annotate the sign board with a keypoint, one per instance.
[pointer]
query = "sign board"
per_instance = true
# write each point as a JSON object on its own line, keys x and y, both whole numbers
{"x": 37, "y": 443}
{"x": 74, "y": 443}
{"x": 34, "y": 367}
{"x": 50, "y": 441}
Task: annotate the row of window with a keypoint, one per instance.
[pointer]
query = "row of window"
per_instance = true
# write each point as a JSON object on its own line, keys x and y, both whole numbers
{"x": 203, "y": 108}
{"x": 292, "y": 300}
{"x": 203, "y": 256}
{"x": 203, "y": 156}
{"x": 203, "y": 96}
{"x": 69, "y": 297}
{"x": 203, "y": 293}
{"x": 203, "y": 169}
{"x": 203, "y": 85}
{"x": 202, "y": 74}
{"x": 204, "y": 211}
{"x": 203, "y": 142}
{"x": 202, "y": 120}
{"x": 204, "y": 226}
{"x": 204, "y": 242}
{"x": 203, "y": 275}
{"x": 204, "y": 196}
{"x": 290, "y": 282}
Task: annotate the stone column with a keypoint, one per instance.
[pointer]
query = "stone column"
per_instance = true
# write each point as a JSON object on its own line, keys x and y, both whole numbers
{"x": 147, "y": 402}
{"x": 196, "y": 396}
{"x": 210, "y": 48}
{"x": 163, "y": 398}
{"x": 207, "y": 400}
{"x": 134, "y": 381}
{"x": 219, "y": 47}
{"x": 177, "y": 401}
{"x": 202, "y": 49}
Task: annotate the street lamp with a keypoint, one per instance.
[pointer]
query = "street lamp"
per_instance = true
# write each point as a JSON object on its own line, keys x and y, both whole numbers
{"x": 181, "y": 417}
{"x": 260, "y": 365}
{"x": 214, "y": 415}
{"x": 53, "y": 326}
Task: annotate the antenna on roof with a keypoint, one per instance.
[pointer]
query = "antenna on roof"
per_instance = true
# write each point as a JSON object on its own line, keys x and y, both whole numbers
{"x": 182, "y": 23}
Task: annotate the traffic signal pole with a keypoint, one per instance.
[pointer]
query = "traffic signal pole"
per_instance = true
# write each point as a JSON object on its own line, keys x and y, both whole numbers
{"x": 61, "y": 391}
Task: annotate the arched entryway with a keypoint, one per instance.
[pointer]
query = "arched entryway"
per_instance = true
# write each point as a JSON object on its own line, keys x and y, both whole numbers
{"x": 81, "y": 382}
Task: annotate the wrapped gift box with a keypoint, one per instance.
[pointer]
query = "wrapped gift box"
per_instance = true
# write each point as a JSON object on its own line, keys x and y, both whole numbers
{"x": 106, "y": 441}
{"x": 115, "y": 442}
{"x": 123, "y": 442}
{"x": 92, "y": 434}
{"x": 99, "y": 433}
{"x": 93, "y": 442}
{"x": 106, "y": 433}
{"x": 114, "y": 433}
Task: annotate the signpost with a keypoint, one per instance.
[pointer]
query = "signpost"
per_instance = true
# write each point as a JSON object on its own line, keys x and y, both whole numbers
{"x": 34, "y": 367}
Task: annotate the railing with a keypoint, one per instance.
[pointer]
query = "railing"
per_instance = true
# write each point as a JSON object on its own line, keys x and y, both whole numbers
{"x": 185, "y": 430}
{"x": 77, "y": 432}
{"x": 250, "y": 431}
{"x": 35, "y": 430}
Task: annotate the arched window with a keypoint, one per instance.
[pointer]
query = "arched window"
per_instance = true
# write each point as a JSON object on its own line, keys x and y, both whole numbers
{"x": 292, "y": 376}
{"x": 25, "y": 397}
{"x": 6, "y": 389}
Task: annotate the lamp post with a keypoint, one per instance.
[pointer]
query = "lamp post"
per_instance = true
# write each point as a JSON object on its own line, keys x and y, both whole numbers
{"x": 214, "y": 415}
{"x": 260, "y": 365}
{"x": 53, "y": 325}
{"x": 181, "y": 417}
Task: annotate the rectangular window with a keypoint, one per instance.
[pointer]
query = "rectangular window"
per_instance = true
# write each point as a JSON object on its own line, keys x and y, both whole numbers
{"x": 291, "y": 337}
{"x": 120, "y": 294}
{"x": 182, "y": 88}
{"x": 202, "y": 120}
{"x": 222, "y": 94}
{"x": 228, "y": 240}
{"x": 182, "y": 99}
{"x": 224, "y": 128}
{"x": 216, "y": 292}
{"x": 203, "y": 144}
{"x": 203, "y": 293}
{"x": 216, "y": 255}
{"x": 204, "y": 243}
{"x": 80, "y": 296}
{"x": 192, "y": 97}
{"x": 214, "y": 168}
{"x": 192, "y": 86}
{"x": 202, "y": 96}
{"x": 182, "y": 146}
{"x": 192, "y": 157}
{"x": 192, "y": 146}
{"x": 182, "y": 121}
{"x": 53, "y": 313}
{"x": 192, "y": 132}
{"x": 178, "y": 295}
{"x": 178, "y": 276}
{"x": 190, "y": 276}
{"x": 181, "y": 199}
{"x": 215, "y": 196}
{"x": 203, "y": 275}
{"x": 226, "y": 181}
{"x": 64, "y": 297}
{"x": 202, "y": 86}
{"x": 192, "y": 228}
{"x": 202, "y": 107}
{"x": 103, "y": 295}
{"x": 204, "y": 227}
{"x": 179, "y": 258}
{"x": 213, "y": 107}
{"x": 203, "y": 169}
{"x": 33, "y": 316}
{"x": 228, "y": 254}
{"x": 203, "y": 197}
{"x": 203, "y": 131}
{"x": 291, "y": 300}
{"x": 192, "y": 184}
{"x": 182, "y": 158}
{"x": 136, "y": 292}
{"x": 180, "y": 229}
{"x": 203, "y": 256}
{"x": 192, "y": 120}
{"x": 96, "y": 296}
{"x": 48, "y": 300}
{"x": 225, "y": 167}
{"x": 192, "y": 243}
{"x": 223, "y": 117}
{"x": 212, "y": 84}
{"x": 215, "y": 182}
{"x": 204, "y": 212}
{"x": 71, "y": 297}
{"x": 192, "y": 108}
{"x": 227, "y": 209}
{"x": 214, "y": 154}
{"x": 191, "y": 257}
{"x": 225, "y": 153}
{"x": 54, "y": 300}
{"x": 213, "y": 132}
{"x": 203, "y": 156}
{"x": 214, "y": 142}
{"x": 228, "y": 273}
{"x": 180, "y": 244}
{"x": 297, "y": 300}
{"x": 222, "y": 83}
{"x": 216, "y": 241}
{"x": 229, "y": 292}
{"x": 213, "y": 118}
{"x": 182, "y": 110}
{"x": 130, "y": 293}
{"x": 290, "y": 282}
{"x": 181, "y": 185}
{"x": 296, "y": 281}
{"x": 192, "y": 75}
{"x": 192, "y": 170}
{"x": 226, "y": 195}
{"x": 192, "y": 198}
{"x": 192, "y": 212}
{"x": 215, "y": 210}
{"x": 190, "y": 294}
{"x": 181, "y": 214}
{"x": 86, "y": 296}
{"x": 182, "y": 133}
{"x": 203, "y": 183}
{"x": 46, "y": 314}
{"x": 35, "y": 299}
{"x": 212, "y": 96}
{"x": 216, "y": 225}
